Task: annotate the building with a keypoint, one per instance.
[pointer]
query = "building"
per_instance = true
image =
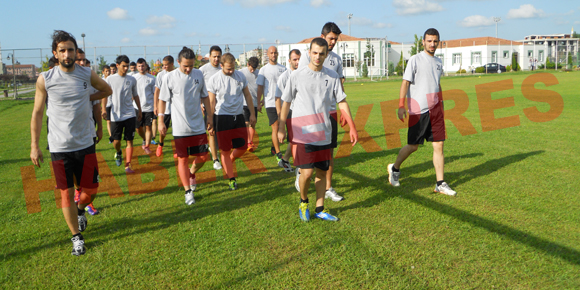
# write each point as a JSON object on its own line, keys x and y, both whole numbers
{"x": 23, "y": 69}
{"x": 2, "y": 66}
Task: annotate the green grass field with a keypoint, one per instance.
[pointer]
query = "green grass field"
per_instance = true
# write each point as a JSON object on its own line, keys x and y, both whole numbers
{"x": 514, "y": 223}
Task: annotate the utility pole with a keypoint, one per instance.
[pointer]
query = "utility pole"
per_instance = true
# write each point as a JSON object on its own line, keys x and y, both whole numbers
{"x": 496, "y": 20}
{"x": 83, "y": 36}
{"x": 349, "y": 18}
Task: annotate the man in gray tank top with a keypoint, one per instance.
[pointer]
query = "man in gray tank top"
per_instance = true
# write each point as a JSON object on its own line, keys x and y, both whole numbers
{"x": 70, "y": 137}
{"x": 422, "y": 89}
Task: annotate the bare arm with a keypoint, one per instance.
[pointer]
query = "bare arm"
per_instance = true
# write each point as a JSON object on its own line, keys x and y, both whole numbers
{"x": 402, "y": 113}
{"x": 138, "y": 103}
{"x": 98, "y": 120}
{"x": 36, "y": 121}
{"x": 345, "y": 111}
{"x": 104, "y": 90}
{"x": 282, "y": 121}
{"x": 209, "y": 110}
{"x": 156, "y": 101}
{"x": 250, "y": 103}
{"x": 260, "y": 93}
{"x": 161, "y": 118}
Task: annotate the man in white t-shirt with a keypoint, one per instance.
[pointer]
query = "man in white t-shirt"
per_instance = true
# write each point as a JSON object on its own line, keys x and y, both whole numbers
{"x": 267, "y": 79}
{"x": 313, "y": 89}
{"x": 421, "y": 88}
{"x": 185, "y": 88}
{"x": 227, "y": 90}
{"x": 208, "y": 70}
{"x": 168, "y": 66}
{"x": 132, "y": 69}
{"x": 251, "y": 74}
{"x": 146, "y": 91}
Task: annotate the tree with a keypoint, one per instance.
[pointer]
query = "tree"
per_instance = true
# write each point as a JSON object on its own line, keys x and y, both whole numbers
{"x": 399, "y": 69}
{"x": 101, "y": 62}
{"x": 44, "y": 64}
{"x": 417, "y": 45}
{"x": 391, "y": 68}
{"x": 369, "y": 55}
{"x": 365, "y": 70}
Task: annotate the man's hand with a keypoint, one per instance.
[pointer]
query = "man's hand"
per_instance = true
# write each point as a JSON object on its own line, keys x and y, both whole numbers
{"x": 139, "y": 116}
{"x": 36, "y": 156}
{"x": 99, "y": 135}
{"x": 260, "y": 107}
{"x": 161, "y": 128}
{"x": 104, "y": 114}
{"x": 281, "y": 134}
{"x": 252, "y": 120}
{"x": 210, "y": 129}
{"x": 402, "y": 113}
{"x": 353, "y": 137}
{"x": 342, "y": 120}
{"x": 155, "y": 110}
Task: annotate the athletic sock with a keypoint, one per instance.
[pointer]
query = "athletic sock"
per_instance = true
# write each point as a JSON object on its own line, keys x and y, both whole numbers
{"x": 81, "y": 211}
{"x": 395, "y": 169}
{"x": 279, "y": 155}
{"x": 319, "y": 209}
{"x": 216, "y": 160}
{"x": 304, "y": 200}
{"x": 161, "y": 144}
{"x": 233, "y": 179}
{"x": 79, "y": 235}
{"x": 440, "y": 182}
{"x": 120, "y": 152}
{"x": 188, "y": 191}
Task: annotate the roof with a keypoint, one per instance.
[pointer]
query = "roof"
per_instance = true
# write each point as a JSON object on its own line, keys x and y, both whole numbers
{"x": 488, "y": 40}
{"x": 21, "y": 66}
{"x": 342, "y": 37}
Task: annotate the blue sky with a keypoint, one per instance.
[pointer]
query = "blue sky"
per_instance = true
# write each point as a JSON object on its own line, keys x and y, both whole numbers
{"x": 133, "y": 23}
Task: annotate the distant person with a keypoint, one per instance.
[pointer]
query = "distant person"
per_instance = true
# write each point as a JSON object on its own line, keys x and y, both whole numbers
{"x": 168, "y": 66}
{"x": 208, "y": 70}
{"x": 113, "y": 67}
{"x": 132, "y": 69}
{"x": 421, "y": 88}
{"x": 145, "y": 90}
{"x": 251, "y": 74}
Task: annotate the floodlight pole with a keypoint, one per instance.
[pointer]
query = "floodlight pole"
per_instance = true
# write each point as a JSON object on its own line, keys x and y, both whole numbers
{"x": 496, "y": 20}
{"x": 349, "y": 18}
{"x": 83, "y": 36}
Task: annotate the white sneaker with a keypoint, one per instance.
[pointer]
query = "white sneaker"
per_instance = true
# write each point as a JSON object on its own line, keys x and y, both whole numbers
{"x": 393, "y": 176}
{"x": 286, "y": 165}
{"x": 189, "y": 200}
{"x": 445, "y": 189}
{"x": 78, "y": 246}
{"x": 297, "y": 182}
{"x": 82, "y": 219}
{"x": 217, "y": 165}
{"x": 331, "y": 193}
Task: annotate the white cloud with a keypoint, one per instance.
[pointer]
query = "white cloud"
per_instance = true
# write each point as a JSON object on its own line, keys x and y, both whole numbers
{"x": 262, "y": 39}
{"x": 476, "y": 21}
{"x": 284, "y": 28}
{"x": 525, "y": 11}
{"x": 382, "y": 25}
{"x": 408, "y": 7}
{"x": 253, "y": 3}
{"x": 164, "y": 21}
{"x": 119, "y": 14}
{"x": 148, "y": 31}
{"x": 125, "y": 40}
{"x": 318, "y": 3}
{"x": 363, "y": 21}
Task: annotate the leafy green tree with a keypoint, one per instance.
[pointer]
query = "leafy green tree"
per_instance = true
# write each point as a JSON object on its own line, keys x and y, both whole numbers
{"x": 391, "y": 68}
{"x": 365, "y": 70}
{"x": 400, "y": 66}
{"x": 44, "y": 63}
{"x": 417, "y": 45}
{"x": 369, "y": 54}
{"x": 101, "y": 62}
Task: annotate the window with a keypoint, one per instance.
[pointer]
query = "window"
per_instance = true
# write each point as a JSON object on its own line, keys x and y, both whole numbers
{"x": 494, "y": 56}
{"x": 530, "y": 53}
{"x": 370, "y": 61}
{"x": 457, "y": 58}
{"x": 283, "y": 60}
{"x": 348, "y": 59}
{"x": 541, "y": 55}
{"x": 506, "y": 54}
{"x": 441, "y": 57}
{"x": 476, "y": 57}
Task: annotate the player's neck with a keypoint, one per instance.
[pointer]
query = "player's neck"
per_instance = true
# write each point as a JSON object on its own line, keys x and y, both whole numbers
{"x": 429, "y": 53}
{"x": 314, "y": 68}
{"x": 67, "y": 69}
{"x": 273, "y": 63}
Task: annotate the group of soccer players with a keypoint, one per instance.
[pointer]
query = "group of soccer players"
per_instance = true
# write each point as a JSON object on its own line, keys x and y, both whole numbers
{"x": 215, "y": 108}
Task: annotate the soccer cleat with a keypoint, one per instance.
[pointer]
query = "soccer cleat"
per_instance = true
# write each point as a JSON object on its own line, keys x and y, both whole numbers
{"x": 331, "y": 193}
{"x": 92, "y": 210}
{"x": 153, "y": 141}
{"x": 297, "y": 182}
{"x": 77, "y": 195}
{"x": 189, "y": 198}
{"x": 278, "y": 157}
{"x": 192, "y": 182}
{"x": 147, "y": 150}
{"x": 445, "y": 189}
{"x": 128, "y": 169}
{"x": 159, "y": 151}
{"x": 326, "y": 216}
{"x": 233, "y": 185}
{"x": 286, "y": 165}
{"x": 118, "y": 159}
{"x": 273, "y": 150}
{"x": 304, "y": 212}
{"x": 143, "y": 145}
{"x": 78, "y": 246}
{"x": 251, "y": 147}
{"x": 217, "y": 165}
{"x": 393, "y": 176}
{"x": 82, "y": 222}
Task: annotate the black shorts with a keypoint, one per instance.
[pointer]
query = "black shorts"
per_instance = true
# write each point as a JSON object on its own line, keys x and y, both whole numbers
{"x": 231, "y": 131}
{"x": 128, "y": 126}
{"x": 312, "y": 156}
{"x": 191, "y": 145}
{"x": 108, "y": 109}
{"x": 247, "y": 113}
{"x": 78, "y": 167}
{"x": 146, "y": 119}
{"x": 334, "y": 135}
{"x": 289, "y": 127}
{"x": 272, "y": 115}
{"x": 167, "y": 120}
{"x": 428, "y": 126}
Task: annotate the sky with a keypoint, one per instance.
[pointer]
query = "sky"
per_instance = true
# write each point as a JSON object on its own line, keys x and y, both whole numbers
{"x": 251, "y": 22}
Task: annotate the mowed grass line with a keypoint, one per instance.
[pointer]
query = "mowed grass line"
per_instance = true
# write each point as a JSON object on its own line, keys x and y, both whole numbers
{"x": 514, "y": 223}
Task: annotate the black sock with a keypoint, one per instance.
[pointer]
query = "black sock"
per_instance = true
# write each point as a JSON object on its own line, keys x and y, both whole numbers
{"x": 79, "y": 235}
{"x": 161, "y": 144}
{"x": 81, "y": 211}
{"x": 395, "y": 169}
{"x": 233, "y": 178}
{"x": 216, "y": 160}
{"x": 120, "y": 152}
{"x": 187, "y": 191}
{"x": 279, "y": 154}
{"x": 439, "y": 182}
{"x": 304, "y": 200}
{"x": 319, "y": 209}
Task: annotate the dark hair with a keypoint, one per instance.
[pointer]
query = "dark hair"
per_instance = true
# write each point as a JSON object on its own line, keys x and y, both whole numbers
{"x": 140, "y": 60}
{"x": 113, "y": 65}
{"x": 61, "y": 36}
{"x": 87, "y": 61}
{"x": 431, "y": 31}
{"x": 295, "y": 51}
{"x": 253, "y": 62}
{"x": 106, "y": 67}
{"x": 133, "y": 63}
{"x": 320, "y": 42}
{"x": 330, "y": 27}
{"x": 186, "y": 53}
{"x": 228, "y": 57}
{"x": 215, "y": 48}
{"x": 122, "y": 58}
{"x": 169, "y": 58}
{"x": 80, "y": 51}
{"x": 52, "y": 62}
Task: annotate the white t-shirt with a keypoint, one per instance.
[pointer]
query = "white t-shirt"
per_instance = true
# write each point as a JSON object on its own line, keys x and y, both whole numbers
{"x": 332, "y": 62}
{"x": 229, "y": 92}
{"x": 124, "y": 89}
{"x": 281, "y": 85}
{"x": 158, "y": 83}
{"x": 109, "y": 97}
{"x": 268, "y": 77}
{"x": 146, "y": 90}
{"x": 209, "y": 70}
{"x": 252, "y": 86}
{"x": 185, "y": 93}
{"x": 424, "y": 73}
{"x": 313, "y": 93}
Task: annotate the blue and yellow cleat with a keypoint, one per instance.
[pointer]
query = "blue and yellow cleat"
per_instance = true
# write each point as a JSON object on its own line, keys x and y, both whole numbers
{"x": 326, "y": 216}
{"x": 304, "y": 212}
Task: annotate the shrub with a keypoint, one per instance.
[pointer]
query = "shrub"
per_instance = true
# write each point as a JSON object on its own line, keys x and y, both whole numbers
{"x": 508, "y": 68}
{"x": 480, "y": 69}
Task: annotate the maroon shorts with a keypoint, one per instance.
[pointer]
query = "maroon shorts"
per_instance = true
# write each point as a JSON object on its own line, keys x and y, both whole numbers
{"x": 191, "y": 145}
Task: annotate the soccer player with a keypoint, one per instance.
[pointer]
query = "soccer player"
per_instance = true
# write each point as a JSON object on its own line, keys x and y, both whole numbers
{"x": 122, "y": 113}
{"x": 266, "y": 81}
{"x": 145, "y": 90}
{"x": 132, "y": 69}
{"x": 106, "y": 72}
{"x": 72, "y": 149}
{"x": 81, "y": 60}
{"x": 208, "y": 70}
{"x": 113, "y": 67}
{"x": 185, "y": 88}
{"x": 294, "y": 57}
{"x": 251, "y": 74}
{"x": 330, "y": 33}
{"x": 168, "y": 66}
{"x": 227, "y": 89}
{"x": 313, "y": 88}
{"x": 421, "y": 88}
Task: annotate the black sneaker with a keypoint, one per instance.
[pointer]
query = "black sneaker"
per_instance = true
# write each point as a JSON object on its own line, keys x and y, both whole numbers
{"x": 82, "y": 222}
{"x": 273, "y": 150}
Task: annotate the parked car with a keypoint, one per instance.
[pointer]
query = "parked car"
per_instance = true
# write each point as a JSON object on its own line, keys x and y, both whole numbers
{"x": 493, "y": 68}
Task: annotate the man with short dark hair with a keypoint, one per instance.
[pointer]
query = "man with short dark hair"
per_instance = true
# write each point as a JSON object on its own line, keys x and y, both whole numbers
{"x": 251, "y": 74}
{"x": 208, "y": 70}
{"x": 168, "y": 66}
{"x": 132, "y": 69}
{"x": 81, "y": 59}
{"x": 145, "y": 90}
{"x": 113, "y": 67}
{"x": 123, "y": 114}
{"x": 421, "y": 88}
{"x": 71, "y": 144}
